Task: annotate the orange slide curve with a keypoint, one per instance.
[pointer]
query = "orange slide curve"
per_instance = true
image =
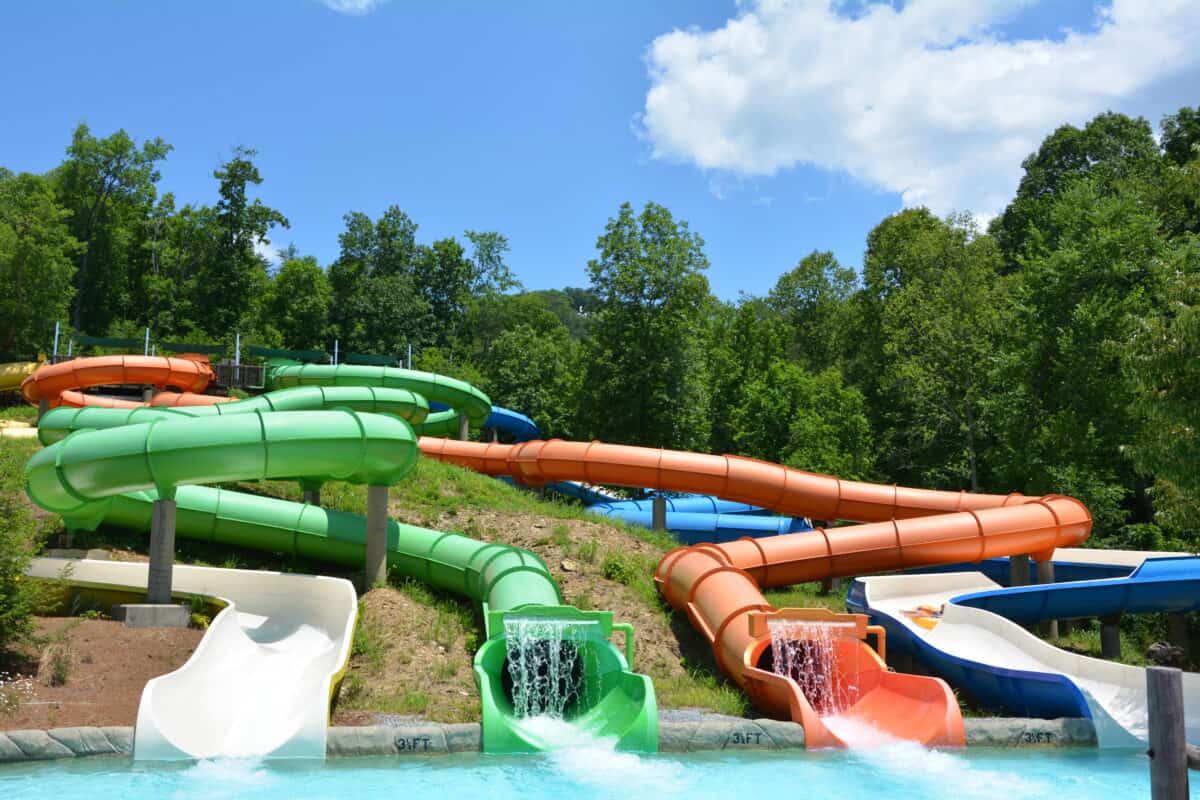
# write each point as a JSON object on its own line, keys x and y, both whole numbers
{"x": 719, "y": 586}
{"x": 58, "y": 384}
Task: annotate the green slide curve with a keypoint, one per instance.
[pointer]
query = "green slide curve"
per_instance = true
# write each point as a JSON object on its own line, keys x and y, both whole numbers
{"x": 109, "y": 465}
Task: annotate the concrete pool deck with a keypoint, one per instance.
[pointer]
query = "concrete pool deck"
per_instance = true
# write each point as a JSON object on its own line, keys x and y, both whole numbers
{"x": 679, "y": 732}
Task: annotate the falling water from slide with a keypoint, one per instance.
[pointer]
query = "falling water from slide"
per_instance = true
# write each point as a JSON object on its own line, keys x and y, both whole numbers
{"x": 545, "y": 665}
{"x": 806, "y": 652}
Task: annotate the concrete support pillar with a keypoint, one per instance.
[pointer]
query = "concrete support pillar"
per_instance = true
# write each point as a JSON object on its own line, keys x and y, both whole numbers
{"x": 1110, "y": 637}
{"x": 147, "y": 394}
{"x": 495, "y": 435}
{"x": 464, "y": 428}
{"x": 1018, "y": 570}
{"x": 658, "y": 513}
{"x": 1045, "y": 574}
{"x": 377, "y": 525}
{"x": 43, "y": 407}
{"x": 162, "y": 552}
{"x": 1168, "y": 736}
{"x": 312, "y": 493}
{"x": 1065, "y": 626}
{"x": 1177, "y": 633}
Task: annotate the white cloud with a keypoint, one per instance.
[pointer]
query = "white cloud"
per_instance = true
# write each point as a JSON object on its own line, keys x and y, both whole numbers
{"x": 925, "y": 100}
{"x": 354, "y": 7}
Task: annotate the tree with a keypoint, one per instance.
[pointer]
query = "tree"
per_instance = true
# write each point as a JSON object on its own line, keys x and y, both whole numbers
{"x": 233, "y": 278}
{"x": 1181, "y": 135}
{"x": 645, "y": 379}
{"x": 536, "y": 373}
{"x": 1163, "y": 361}
{"x": 805, "y": 420}
{"x": 108, "y": 185}
{"x": 743, "y": 341}
{"x": 1067, "y": 408}
{"x": 1110, "y": 148}
{"x": 812, "y": 297}
{"x": 37, "y": 255}
{"x": 297, "y": 304}
{"x": 489, "y": 274}
{"x": 378, "y": 306}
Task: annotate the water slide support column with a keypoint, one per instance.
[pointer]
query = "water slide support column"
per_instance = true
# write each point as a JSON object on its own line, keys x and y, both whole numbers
{"x": 464, "y": 428}
{"x": 1177, "y": 632}
{"x": 377, "y": 505}
{"x": 1168, "y": 737}
{"x": 162, "y": 552}
{"x": 1018, "y": 570}
{"x": 43, "y": 407}
{"x": 1110, "y": 637}
{"x": 658, "y": 513}
{"x": 1045, "y": 574}
{"x": 311, "y": 492}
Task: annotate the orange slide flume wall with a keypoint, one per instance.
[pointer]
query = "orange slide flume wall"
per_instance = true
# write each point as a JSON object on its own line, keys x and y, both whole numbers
{"x": 58, "y": 384}
{"x": 719, "y": 586}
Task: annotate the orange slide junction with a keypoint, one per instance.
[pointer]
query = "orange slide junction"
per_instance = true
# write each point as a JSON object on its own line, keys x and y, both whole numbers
{"x": 719, "y": 586}
{"x": 59, "y": 384}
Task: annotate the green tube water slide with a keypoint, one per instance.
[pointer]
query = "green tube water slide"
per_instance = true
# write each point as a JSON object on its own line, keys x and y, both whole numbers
{"x": 460, "y": 396}
{"x": 109, "y": 466}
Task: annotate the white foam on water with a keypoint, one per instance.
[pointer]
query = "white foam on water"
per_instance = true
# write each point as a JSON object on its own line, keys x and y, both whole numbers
{"x": 594, "y": 761}
{"x": 226, "y": 777}
{"x": 942, "y": 772}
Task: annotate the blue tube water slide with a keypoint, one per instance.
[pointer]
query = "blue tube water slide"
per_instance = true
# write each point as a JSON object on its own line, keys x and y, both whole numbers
{"x": 700, "y": 518}
{"x": 967, "y": 629}
{"x": 520, "y": 427}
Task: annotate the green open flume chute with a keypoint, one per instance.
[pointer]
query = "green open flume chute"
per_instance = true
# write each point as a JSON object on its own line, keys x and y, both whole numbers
{"x": 109, "y": 465}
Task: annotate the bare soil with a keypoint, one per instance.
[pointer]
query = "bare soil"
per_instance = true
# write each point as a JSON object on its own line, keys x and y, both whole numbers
{"x": 107, "y": 665}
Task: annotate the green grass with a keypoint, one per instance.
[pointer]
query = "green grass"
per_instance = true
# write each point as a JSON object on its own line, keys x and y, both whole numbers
{"x": 701, "y": 689}
{"x": 806, "y": 595}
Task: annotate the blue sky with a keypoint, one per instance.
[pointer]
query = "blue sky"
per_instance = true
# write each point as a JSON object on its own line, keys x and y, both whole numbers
{"x": 773, "y": 128}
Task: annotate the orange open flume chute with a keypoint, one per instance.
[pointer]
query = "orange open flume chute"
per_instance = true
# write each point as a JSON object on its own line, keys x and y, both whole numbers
{"x": 719, "y": 586}
{"x": 59, "y": 384}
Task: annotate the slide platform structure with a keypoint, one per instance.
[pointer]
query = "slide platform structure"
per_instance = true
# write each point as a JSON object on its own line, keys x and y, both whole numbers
{"x": 718, "y": 585}
{"x": 966, "y": 628}
{"x": 108, "y": 465}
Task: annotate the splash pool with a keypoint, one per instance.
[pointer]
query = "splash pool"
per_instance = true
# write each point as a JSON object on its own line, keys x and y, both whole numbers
{"x": 897, "y": 772}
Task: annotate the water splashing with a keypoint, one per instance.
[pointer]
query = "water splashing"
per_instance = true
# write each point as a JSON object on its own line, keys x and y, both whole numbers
{"x": 546, "y": 665}
{"x": 806, "y": 652}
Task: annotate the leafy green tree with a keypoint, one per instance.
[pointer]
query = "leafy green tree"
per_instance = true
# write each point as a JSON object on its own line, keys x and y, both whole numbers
{"x": 941, "y": 330}
{"x": 36, "y": 263}
{"x": 538, "y": 374}
{"x": 1078, "y": 298}
{"x": 1181, "y": 135}
{"x": 108, "y": 185}
{"x": 1110, "y": 148}
{"x": 297, "y": 304}
{"x": 743, "y": 341}
{"x": 233, "y": 278}
{"x": 645, "y": 380}
{"x": 813, "y": 298}
{"x": 1163, "y": 360}
{"x": 489, "y": 272}
{"x": 810, "y": 421}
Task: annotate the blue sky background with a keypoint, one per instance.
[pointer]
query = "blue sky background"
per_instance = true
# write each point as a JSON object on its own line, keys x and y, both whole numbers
{"x": 522, "y": 117}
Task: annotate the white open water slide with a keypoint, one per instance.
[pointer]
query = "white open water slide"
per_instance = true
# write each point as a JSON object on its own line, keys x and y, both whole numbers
{"x": 984, "y": 643}
{"x": 259, "y": 683}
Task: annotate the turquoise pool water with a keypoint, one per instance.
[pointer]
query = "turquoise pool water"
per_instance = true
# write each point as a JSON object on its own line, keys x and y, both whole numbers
{"x": 891, "y": 773}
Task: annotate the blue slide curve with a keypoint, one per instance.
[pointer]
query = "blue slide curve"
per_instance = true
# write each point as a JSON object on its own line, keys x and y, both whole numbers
{"x": 965, "y": 628}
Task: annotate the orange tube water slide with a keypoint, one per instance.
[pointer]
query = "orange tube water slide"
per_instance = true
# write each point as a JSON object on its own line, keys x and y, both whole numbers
{"x": 58, "y": 384}
{"x": 718, "y": 586}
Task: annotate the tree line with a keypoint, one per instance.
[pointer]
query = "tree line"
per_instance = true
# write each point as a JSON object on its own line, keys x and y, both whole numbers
{"x": 1057, "y": 349}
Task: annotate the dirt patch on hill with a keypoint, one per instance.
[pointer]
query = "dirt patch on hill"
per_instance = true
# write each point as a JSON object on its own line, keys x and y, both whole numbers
{"x": 103, "y": 667}
{"x": 598, "y": 567}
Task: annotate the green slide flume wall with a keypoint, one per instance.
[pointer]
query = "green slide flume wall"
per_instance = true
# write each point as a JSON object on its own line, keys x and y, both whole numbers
{"x": 109, "y": 465}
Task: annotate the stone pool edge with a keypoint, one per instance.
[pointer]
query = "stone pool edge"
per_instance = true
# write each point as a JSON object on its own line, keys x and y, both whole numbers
{"x": 711, "y": 732}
